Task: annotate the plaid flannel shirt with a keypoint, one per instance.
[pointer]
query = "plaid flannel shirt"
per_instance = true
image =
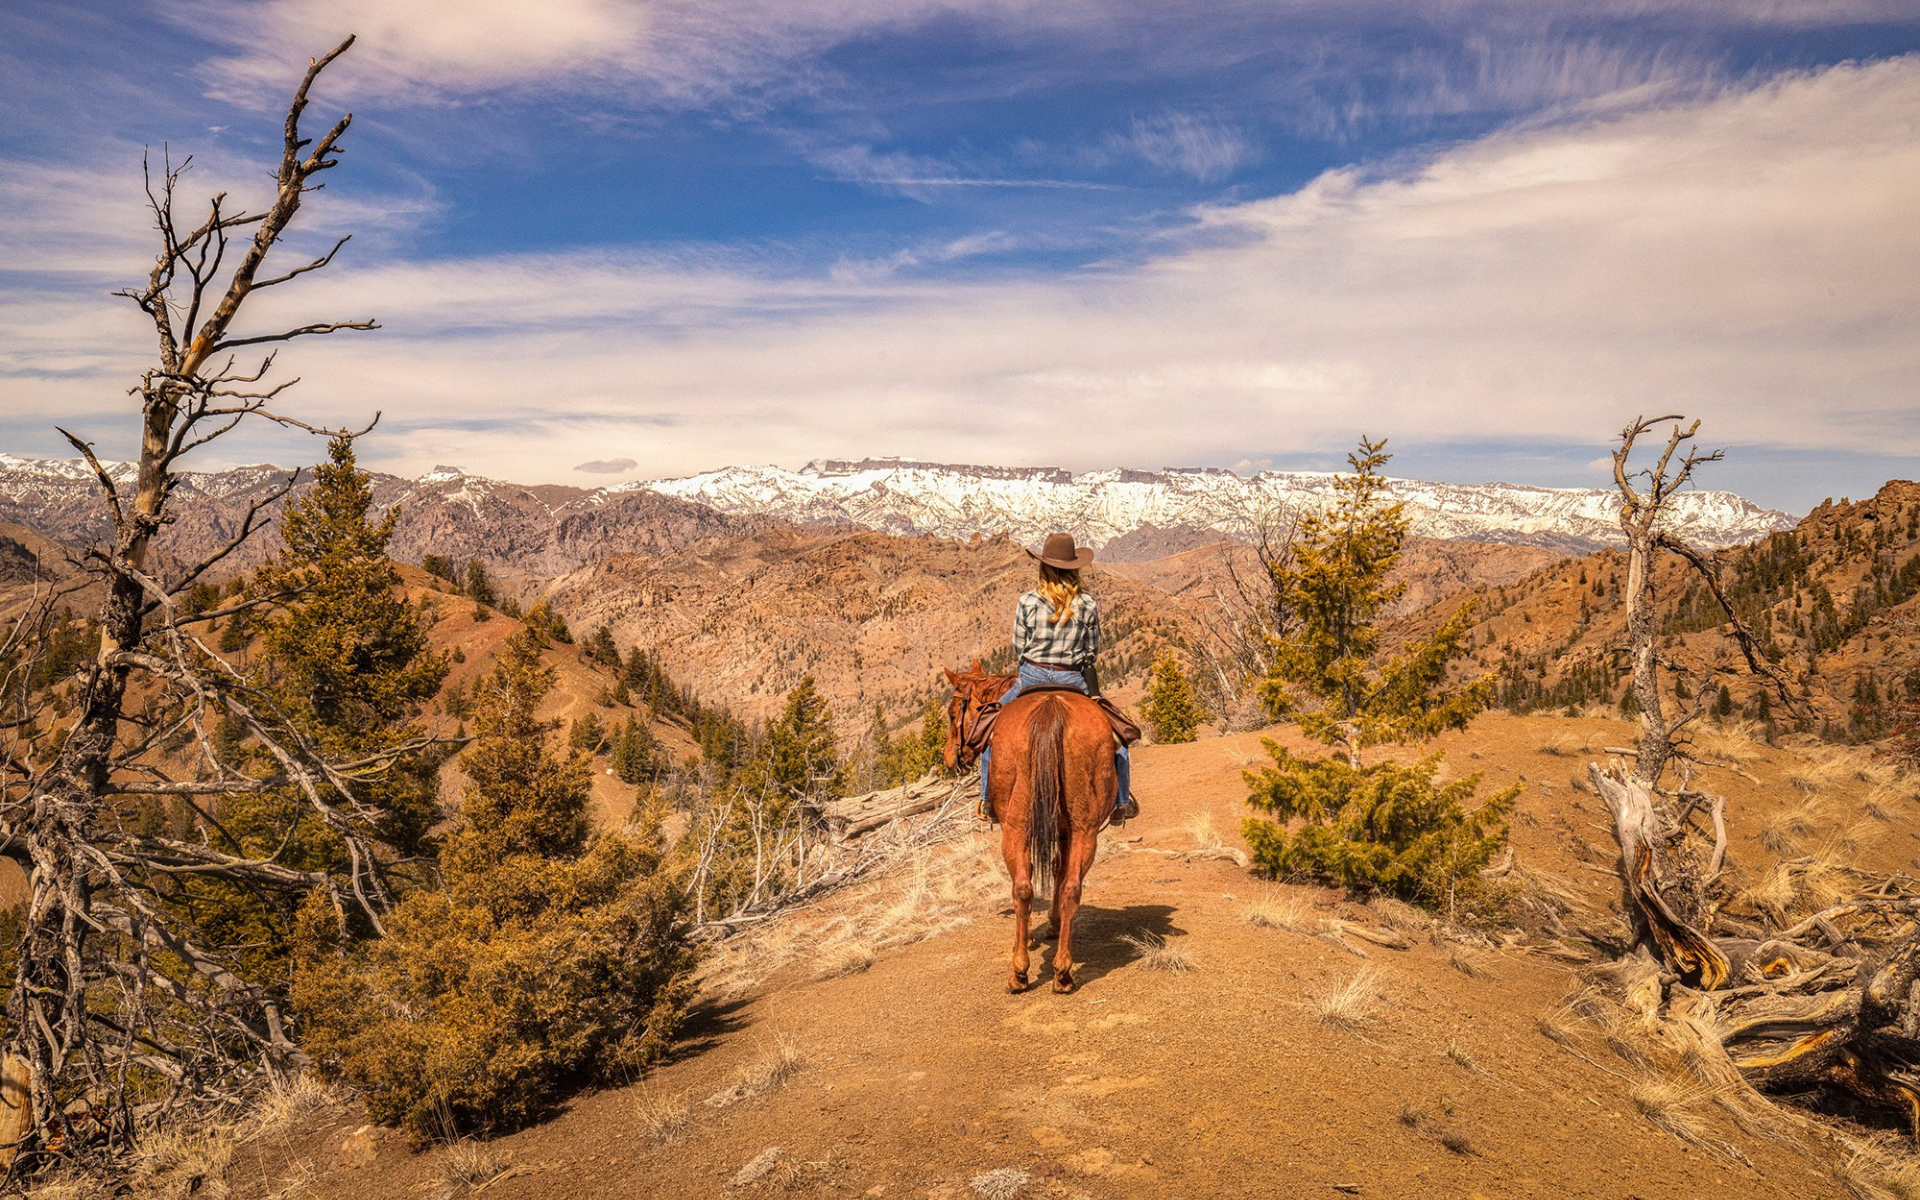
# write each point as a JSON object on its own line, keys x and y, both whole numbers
{"x": 1071, "y": 643}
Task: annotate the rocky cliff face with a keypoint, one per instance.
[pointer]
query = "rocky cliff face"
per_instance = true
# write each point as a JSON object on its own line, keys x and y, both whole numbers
{"x": 539, "y": 531}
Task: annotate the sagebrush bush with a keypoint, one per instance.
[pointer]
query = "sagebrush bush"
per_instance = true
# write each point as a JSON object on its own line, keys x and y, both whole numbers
{"x": 548, "y": 959}
{"x": 1390, "y": 827}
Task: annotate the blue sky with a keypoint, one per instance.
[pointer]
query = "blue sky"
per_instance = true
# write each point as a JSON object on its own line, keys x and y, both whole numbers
{"x": 1091, "y": 233}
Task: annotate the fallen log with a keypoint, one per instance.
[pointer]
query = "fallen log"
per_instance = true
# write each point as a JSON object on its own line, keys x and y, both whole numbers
{"x": 849, "y": 818}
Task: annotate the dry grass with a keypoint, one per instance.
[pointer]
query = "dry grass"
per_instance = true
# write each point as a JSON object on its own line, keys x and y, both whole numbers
{"x": 1822, "y": 769}
{"x": 1563, "y": 743}
{"x": 1881, "y": 1169}
{"x": 1399, "y": 916}
{"x": 1208, "y": 842}
{"x": 1559, "y": 1026}
{"x": 661, "y": 1118}
{"x": 1348, "y": 1004}
{"x": 773, "y": 1068}
{"x": 1156, "y": 954}
{"x": 1275, "y": 909}
{"x": 1205, "y": 837}
{"x": 174, "y": 1164}
{"x": 1448, "y": 1134}
{"x": 1802, "y": 885}
{"x": 811, "y": 1176}
{"x": 1882, "y": 803}
{"x": 842, "y": 958}
{"x": 1463, "y": 1058}
{"x": 1673, "y": 1105}
{"x": 469, "y": 1167}
{"x": 1784, "y": 829}
{"x": 289, "y": 1106}
{"x": 1466, "y": 963}
{"x": 1736, "y": 743}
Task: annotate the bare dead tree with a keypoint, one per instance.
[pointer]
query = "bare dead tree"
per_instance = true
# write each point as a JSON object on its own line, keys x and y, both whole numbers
{"x": 1831, "y": 1003}
{"x": 1247, "y": 619}
{"x": 118, "y": 1007}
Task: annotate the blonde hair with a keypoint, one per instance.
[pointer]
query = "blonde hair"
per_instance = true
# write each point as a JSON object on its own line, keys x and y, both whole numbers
{"x": 1058, "y": 587}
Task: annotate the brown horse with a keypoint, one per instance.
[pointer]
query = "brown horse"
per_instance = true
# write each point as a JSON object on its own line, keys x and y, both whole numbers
{"x": 1053, "y": 786}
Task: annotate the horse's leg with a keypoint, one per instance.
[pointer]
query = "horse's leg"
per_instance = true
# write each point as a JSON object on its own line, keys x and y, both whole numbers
{"x": 1013, "y": 844}
{"x": 1073, "y": 872}
{"x": 1053, "y": 909}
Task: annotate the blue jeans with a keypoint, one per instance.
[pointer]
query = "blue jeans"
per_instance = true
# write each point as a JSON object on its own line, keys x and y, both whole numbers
{"x": 1031, "y": 675}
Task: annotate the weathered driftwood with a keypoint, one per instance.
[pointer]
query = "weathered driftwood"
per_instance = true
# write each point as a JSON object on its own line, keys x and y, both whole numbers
{"x": 1829, "y": 1005}
{"x": 849, "y": 818}
{"x": 16, "y": 1105}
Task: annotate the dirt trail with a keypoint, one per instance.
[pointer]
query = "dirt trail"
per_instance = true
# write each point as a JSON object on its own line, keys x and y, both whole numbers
{"x": 920, "y": 1073}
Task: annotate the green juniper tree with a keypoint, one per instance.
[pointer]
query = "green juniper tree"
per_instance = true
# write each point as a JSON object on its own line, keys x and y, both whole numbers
{"x": 348, "y": 669}
{"x": 550, "y": 958}
{"x": 801, "y": 759}
{"x": 350, "y": 659}
{"x": 1383, "y": 825}
{"x": 1171, "y": 707}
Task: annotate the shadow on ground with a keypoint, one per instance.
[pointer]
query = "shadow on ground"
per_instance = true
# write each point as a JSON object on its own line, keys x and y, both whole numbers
{"x": 1099, "y": 938}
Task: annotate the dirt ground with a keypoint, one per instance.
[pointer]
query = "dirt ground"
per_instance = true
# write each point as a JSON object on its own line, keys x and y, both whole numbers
{"x": 917, "y": 1075}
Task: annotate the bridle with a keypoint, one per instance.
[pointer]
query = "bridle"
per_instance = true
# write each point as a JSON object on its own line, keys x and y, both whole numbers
{"x": 960, "y": 727}
{"x": 970, "y": 694}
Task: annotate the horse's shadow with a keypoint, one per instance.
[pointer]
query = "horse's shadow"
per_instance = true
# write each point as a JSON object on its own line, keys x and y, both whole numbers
{"x": 1100, "y": 935}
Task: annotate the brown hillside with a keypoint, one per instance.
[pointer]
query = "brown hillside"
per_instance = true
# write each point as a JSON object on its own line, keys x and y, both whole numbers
{"x": 1836, "y": 601}
{"x": 869, "y": 615}
{"x": 1459, "y": 1074}
{"x": 580, "y": 687}
{"x": 1432, "y": 569}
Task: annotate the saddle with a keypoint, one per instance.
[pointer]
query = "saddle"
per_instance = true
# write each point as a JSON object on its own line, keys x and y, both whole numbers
{"x": 1124, "y": 726}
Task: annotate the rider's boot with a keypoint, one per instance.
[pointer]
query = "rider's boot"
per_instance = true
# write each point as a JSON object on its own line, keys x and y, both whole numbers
{"x": 1124, "y": 811}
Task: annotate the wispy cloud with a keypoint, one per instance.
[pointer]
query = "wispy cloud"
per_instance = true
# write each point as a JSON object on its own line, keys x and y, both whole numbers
{"x": 923, "y": 177}
{"x": 695, "y": 52}
{"x": 1206, "y": 148}
{"x": 607, "y": 466}
{"x": 1748, "y": 256}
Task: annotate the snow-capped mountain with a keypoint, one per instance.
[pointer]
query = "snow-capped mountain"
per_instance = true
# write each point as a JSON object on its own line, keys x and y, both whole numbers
{"x": 1126, "y": 514}
{"x": 1130, "y": 511}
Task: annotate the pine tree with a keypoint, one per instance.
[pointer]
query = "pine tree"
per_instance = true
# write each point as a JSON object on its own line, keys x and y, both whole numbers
{"x": 601, "y": 648}
{"x": 633, "y": 753}
{"x": 479, "y": 585}
{"x": 348, "y": 656}
{"x": 801, "y": 761}
{"x": 1384, "y": 825}
{"x": 587, "y": 734}
{"x": 549, "y": 958}
{"x": 1171, "y": 707}
{"x": 1328, "y": 671}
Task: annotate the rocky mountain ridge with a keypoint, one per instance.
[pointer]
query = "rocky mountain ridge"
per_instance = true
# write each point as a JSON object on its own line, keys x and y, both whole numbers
{"x": 537, "y": 531}
{"x": 1103, "y": 508}
{"x": 547, "y": 530}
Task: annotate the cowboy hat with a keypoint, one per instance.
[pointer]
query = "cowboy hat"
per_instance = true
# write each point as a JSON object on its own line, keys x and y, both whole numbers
{"x": 1059, "y": 552}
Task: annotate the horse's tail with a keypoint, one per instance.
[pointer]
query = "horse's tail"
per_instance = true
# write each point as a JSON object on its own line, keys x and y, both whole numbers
{"x": 1046, "y": 753}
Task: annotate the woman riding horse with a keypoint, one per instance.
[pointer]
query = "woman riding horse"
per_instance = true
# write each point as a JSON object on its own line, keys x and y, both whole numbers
{"x": 1056, "y": 634}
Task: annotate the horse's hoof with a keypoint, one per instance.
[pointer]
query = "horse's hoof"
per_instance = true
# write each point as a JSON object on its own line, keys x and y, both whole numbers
{"x": 1016, "y": 983}
{"x": 1062, "y": 983}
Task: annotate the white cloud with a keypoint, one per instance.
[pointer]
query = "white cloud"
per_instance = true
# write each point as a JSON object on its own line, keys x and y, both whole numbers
{"x": 1750, "y": 258}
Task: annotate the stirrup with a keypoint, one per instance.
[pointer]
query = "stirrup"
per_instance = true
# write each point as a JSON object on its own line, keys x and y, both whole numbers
{"x": 1122, "y": 813}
